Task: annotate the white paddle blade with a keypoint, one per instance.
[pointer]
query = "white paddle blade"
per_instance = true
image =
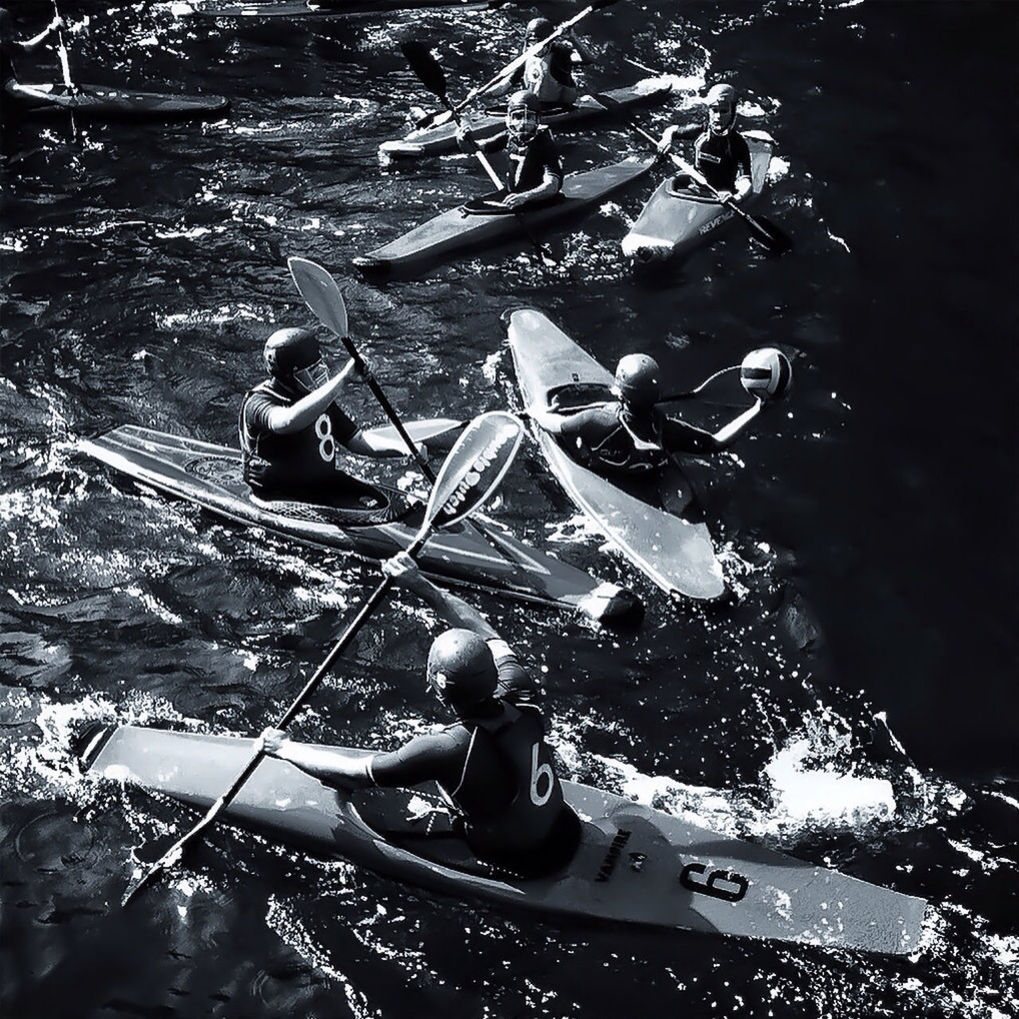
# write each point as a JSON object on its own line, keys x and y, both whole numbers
{"x": 474, "y": 467}
{"x": 321, "y": 293}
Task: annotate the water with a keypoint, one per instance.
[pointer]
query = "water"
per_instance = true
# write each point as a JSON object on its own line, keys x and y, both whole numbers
{"x": 854, "y": 706}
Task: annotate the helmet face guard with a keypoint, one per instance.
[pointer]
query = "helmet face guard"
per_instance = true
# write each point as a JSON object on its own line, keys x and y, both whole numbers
{"x": 523, "y": 115}
{"x": 310, "y": 378}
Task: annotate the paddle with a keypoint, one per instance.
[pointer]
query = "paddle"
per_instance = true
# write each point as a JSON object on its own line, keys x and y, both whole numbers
{"x": 762, "y": 231}
{"x": 431, "y": 75}
{"x": 65, "y": 67}
{"x": 475, "y": 466}
{"x": 516, "y": 63}
{"x": 323, "y": 295}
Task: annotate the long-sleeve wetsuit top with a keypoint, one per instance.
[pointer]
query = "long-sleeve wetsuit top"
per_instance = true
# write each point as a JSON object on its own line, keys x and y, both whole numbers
{"x": 298, "y": 465}
{"x": 722, "y": 158}
{"x": 607, "y": 438}
{"x": 528, "y": 163}
{"x": 494, "y": 767}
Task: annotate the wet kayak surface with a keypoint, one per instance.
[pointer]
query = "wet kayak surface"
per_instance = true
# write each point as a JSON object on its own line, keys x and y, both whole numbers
{"x": 852, "y": 705}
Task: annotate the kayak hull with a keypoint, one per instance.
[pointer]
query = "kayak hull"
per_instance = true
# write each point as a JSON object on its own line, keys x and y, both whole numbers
{"x": 676, "y": 220}
{"x": 98, "y": 102}
{"x": 462, "y": 230}
{"x": 210, "y": 476}
{"x": 634, "y": 864}
{"x": 673, "y": 548}
{"x": 440, "y": 139}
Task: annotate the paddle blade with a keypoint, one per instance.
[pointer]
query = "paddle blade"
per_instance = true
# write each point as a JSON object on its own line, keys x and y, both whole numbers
{"x": 767, "y": 234}
{"x": 321, "y": 293}
{"x": 425, "y": 66}
{"x": 474, "y": 467}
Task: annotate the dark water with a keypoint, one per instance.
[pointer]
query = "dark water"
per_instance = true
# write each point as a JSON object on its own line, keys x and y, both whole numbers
{"x": 854, "y": 706}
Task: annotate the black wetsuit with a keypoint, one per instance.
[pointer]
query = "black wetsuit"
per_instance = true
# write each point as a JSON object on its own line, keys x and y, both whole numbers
{"x": 529, "y": 162}
{"x": 721, "y": 158}
{"x": 610, "y": 440}
{"x": 496, "y": 770}
{"x": 300, "y": 466}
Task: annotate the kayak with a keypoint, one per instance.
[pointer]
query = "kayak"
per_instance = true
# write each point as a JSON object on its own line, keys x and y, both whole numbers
{"x": 656, "y": 527}
{"x": 376, "y": 523}
{"x": 633, "y": 864}
{"x": 311, "y": 9}
{"x": 433, "y": 141}
{"x": 677, "y": 219}
{"x": 99, "y": 102}
{"x": 482, "y": 223}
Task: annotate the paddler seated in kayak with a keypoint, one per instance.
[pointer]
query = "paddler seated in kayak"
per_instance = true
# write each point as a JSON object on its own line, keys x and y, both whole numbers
{"x": 549, "y": 72}
{"x": 631, "y": 435}
{"x": 721, "y": 153}
{"x": 291, "y": 426}
{"x": 535, "y": 171}
{"x": 492, "y": 765}
{"x": 9, "y": 47}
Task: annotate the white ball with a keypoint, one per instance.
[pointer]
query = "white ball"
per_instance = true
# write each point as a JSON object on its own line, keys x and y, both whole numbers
{"x": 766, "y": 373}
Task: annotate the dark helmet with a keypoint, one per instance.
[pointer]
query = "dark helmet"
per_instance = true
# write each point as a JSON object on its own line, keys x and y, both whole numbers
{"x": 461, "y": 669}
{"x": 287, "y": 351}
{"x": 720, "y": 94}
{"x": 637, "y": 380}
{"x": 539, "y": 28}
{"x": 523, "y": 100}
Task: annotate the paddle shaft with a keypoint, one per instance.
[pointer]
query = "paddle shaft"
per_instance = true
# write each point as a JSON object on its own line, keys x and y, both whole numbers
{"x": 173, "y": 853}
{"x": 531, "y": 51}
{"x": 379, "y": 393}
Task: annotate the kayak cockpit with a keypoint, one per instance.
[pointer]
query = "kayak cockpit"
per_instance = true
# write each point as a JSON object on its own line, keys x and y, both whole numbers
{"x": 421, "y": 825}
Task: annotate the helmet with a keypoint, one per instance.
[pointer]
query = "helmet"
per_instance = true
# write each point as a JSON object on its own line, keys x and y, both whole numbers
{"x": 539, "y": 28}
{"x": 721, "y": 93}
{"x": 523, "y": 99}
{"x": 461, "y": 669}
{"x": 766, "y": 373}
{"x": 288, "y": 351}
{"x": 637, "y": 380}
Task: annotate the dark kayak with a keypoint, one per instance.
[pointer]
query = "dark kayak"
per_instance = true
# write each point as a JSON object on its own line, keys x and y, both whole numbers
{"x": 290, "y": 9}
{"x": 433, "y": 141}
{"x": 482, "y": 224}
{"x": 659, "y": 530}
{"x": 633, "y": 864}
{"x": 99, "y": 102}
{"x": 374, "y": 523}
{"x": 677, "y": 219}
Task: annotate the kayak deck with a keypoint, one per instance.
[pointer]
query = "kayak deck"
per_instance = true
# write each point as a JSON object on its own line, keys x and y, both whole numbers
{"x": 466, "y": 229}
{"x": 634, "y": 864}
{"x": 485, "y": 124}
{"x": 101, "y": 102}
{"x": 210, "y": 476}
{"x": 677, "y": 219}
{"x": 675, "y": 551}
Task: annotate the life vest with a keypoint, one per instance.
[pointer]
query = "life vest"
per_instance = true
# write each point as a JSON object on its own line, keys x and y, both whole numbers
{"x": 298, "y": 460}
{"x": 549, "y": 76}
{"x": 508, "y": 793}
